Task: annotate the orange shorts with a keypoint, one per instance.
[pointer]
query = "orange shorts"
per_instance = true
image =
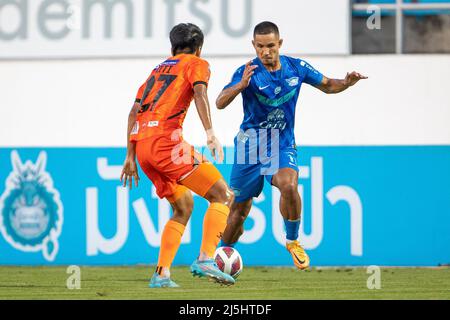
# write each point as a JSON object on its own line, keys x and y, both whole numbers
{"x": 174, "y": 165}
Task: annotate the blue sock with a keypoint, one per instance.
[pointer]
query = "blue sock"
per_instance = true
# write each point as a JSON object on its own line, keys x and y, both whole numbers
{"x": 223, "y": 244}
{"x": 292, "y": 227}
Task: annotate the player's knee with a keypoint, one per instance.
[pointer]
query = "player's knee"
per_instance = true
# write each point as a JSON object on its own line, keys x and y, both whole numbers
{"x": 222, "y": 194}
{"x": 226, "y": 195}
{"x": 182, "y": 212}
{"x": 289, "y": 189}
{"x": 189, "y": 206}
{"x": 182, "y": 215}
{"x": 229, "y": 197}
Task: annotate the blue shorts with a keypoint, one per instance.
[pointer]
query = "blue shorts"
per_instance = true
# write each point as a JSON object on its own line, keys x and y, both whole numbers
{"x": 247, "y": 180}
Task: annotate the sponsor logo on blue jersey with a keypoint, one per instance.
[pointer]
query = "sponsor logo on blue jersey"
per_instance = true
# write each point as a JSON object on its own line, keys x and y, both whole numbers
{"x": 275, "y": 120}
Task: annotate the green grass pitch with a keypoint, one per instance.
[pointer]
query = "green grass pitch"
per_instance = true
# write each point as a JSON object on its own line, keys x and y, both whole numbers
{"x": 254, "y": 283}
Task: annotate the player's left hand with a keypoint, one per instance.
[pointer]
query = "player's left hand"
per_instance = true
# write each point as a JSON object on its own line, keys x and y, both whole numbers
{"x": 128, "y": 172}
{"x": 352, "y": 78}
{"x": 215, "y": 147}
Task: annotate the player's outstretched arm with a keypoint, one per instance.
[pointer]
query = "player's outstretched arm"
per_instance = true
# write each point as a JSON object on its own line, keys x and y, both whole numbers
{"x": 204, "y": 112}
{"x": 339, "y": 85}
{"x": 227, "y": 96}
{"x": 129, "y": 167}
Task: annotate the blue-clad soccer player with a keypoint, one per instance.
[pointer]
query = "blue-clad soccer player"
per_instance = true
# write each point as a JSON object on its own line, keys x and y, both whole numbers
{"x": 265, "y": 145}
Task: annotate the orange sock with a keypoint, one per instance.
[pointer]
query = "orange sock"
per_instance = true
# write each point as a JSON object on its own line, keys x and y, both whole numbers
{"x": 170, "y": 242}
{"x": 214, "y": 224}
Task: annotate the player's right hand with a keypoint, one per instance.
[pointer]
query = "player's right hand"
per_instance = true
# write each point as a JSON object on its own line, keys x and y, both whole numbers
{"x": 247, "y": 76}
{"x": 216, "y": 148}
{"x": 128, "y": 172}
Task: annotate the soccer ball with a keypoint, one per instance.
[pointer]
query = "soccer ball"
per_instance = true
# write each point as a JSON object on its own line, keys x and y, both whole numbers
{"x": 229, "y": 261}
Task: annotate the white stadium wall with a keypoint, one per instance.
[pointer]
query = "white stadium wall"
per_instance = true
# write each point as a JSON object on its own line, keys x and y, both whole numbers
{"x": 405, "y": 101}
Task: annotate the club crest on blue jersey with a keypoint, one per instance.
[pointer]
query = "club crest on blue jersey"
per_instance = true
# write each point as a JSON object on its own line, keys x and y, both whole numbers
{"x": 31, "y": 212}
{"x": 292, "y": 82}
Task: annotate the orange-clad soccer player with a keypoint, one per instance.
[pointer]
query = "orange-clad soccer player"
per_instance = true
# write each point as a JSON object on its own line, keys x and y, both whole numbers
{"x": 155, "y": 137}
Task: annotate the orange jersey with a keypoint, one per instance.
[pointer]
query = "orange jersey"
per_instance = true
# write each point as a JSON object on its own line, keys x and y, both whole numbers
{"x": 166, "y": 95}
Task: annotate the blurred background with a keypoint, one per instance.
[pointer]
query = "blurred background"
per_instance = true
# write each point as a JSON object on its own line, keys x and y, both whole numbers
{"x": 374, "y": 160}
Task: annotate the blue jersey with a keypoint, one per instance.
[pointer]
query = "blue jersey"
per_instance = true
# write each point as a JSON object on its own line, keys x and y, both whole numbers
{"x": 271, "y": 97}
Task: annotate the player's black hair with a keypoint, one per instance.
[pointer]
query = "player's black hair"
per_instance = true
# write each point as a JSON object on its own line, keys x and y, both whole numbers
{"x": 186, "y": 37}
{"x": 266, "y": 27}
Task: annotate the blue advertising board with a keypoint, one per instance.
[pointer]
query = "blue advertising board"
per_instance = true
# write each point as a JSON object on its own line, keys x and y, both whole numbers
{"x": 361, "y": 206}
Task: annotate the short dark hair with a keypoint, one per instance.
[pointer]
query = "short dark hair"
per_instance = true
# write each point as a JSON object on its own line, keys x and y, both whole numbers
{"x": 266, "y": 27}
{"x": 186, "y": 36}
